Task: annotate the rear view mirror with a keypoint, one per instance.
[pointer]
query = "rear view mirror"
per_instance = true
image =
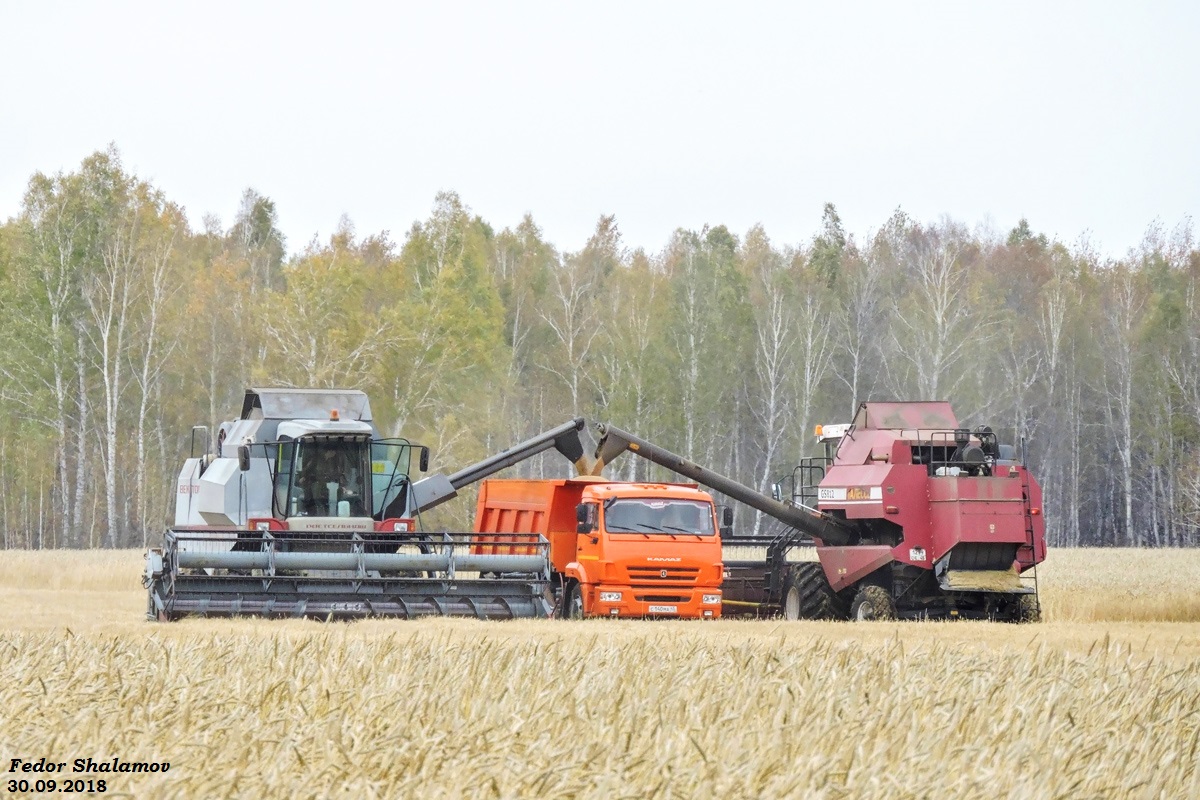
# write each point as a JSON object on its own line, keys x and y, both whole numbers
{"x": 777, "y": 491}
{"x": 583, "y": 518}
{"x": 726, "y": 529}
{"x": 424, "y": 459}
{"x": 244, "y": 458}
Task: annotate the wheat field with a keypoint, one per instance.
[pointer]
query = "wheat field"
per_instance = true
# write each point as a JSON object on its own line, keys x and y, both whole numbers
{"x": 1102, "y": 699}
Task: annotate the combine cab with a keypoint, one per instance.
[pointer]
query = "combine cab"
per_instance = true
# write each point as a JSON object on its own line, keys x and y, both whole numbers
{"x": 302, "y": 510}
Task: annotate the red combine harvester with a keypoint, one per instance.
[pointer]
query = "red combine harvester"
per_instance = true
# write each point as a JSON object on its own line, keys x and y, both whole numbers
{"x": 912, "y": 516}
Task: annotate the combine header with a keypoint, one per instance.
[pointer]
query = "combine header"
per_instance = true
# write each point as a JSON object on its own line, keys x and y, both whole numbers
{"x": 302, "y": 510}
{"x": 340, "y": 577}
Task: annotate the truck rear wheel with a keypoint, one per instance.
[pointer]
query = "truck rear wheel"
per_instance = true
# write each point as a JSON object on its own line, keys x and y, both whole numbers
{"x": 872, "y": 603}
{"x": 808, "y": 595}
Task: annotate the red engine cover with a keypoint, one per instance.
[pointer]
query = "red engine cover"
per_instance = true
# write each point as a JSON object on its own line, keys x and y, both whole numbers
{"x": 873, "y": 477}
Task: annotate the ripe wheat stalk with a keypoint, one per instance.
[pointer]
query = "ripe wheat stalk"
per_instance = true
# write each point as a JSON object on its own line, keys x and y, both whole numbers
{"x": 1081, "y": 705}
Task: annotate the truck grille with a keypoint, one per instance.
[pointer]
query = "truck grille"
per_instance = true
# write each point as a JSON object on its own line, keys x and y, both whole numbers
{"x": 662, "y": 598}
{"x": 663, "y": 574}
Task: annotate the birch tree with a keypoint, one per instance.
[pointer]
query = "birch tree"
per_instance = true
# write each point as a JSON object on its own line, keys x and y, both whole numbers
{"x": 255, "y": 236}
{"x": 772, "y": 400}
{"x": 572, "y": 310}
{"x": 1123, "y": 307}
{"x": 628, "y": 358}
{"x": 159, "y": 285}
{"x": 859, "y": 327}
{"x": 322, "y": 328}
{"x": 39, "y": 363}
{"x": 111, "y": 289}
{"x": 936, "y": 324}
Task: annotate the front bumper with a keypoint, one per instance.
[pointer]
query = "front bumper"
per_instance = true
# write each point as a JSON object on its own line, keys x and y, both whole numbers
{"x": 671, "y": 602}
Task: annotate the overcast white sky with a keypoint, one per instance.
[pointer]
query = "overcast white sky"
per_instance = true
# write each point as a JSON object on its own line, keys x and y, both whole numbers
{"x": 1081, "y": 117}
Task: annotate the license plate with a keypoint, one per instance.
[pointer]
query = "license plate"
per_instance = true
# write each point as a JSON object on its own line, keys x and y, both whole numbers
{"x": 664, "y": 609}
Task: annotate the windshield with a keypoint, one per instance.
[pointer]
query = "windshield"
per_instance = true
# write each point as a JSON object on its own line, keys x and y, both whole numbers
{"x": 658, "y": 516}
{"x": 391, "y": 460}
{"x": 322, "y": 477}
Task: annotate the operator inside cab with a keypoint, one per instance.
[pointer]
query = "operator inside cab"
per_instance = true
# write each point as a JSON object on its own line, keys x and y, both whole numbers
{"x": 328, "y": 479}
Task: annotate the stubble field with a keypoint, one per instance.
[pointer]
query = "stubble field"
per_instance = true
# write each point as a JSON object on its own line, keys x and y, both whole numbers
{"x": 1102, "y": 699}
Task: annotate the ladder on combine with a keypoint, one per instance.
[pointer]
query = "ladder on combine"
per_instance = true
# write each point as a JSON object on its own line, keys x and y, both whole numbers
{"x": 1029, "y": 579}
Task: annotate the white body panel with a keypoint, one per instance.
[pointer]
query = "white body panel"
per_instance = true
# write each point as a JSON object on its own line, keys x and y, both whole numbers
{"x": 187, "y": 492}
{"x": 227, "y": 496}
{"x": 241, "y": 431}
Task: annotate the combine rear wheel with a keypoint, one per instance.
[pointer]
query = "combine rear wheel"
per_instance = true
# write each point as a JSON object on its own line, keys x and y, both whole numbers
{"x": 808, "y": 595}
{"x": 1030, "y": 610}
{"x": 872, "y": 603}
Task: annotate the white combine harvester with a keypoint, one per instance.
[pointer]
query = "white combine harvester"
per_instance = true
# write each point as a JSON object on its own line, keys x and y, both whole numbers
{"x": 300, "y": 509}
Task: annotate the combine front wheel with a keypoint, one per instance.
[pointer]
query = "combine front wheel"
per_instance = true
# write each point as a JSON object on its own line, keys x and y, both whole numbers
{"x": 872, "y": 603}
{"x": 791, "y": 601}
{"x": 809, "y": 596}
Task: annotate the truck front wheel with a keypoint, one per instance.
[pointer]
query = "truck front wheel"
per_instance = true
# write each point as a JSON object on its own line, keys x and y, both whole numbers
{"x": 573, "y": 602}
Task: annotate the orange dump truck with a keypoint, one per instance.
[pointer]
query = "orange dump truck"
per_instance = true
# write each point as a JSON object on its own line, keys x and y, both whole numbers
{"x": 617, "y": 549}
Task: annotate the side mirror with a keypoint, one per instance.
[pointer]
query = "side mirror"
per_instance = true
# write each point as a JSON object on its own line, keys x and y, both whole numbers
{"x": 777, "y": 492}
{"x": 244, "y": 458}
{"x": 583, "y": 518}
{"x": 726, "y": 516}
{"x": 424, "y": 459}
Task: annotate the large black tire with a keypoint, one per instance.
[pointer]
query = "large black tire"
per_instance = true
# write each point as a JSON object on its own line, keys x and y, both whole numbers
{"x": 808, "y": 595}
{"x": 872, "y": 603}
{"x": 573, "y": 601}
{"x": 1029, "y": 609}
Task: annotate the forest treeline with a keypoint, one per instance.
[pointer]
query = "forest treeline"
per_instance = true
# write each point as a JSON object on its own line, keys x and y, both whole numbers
{"x": 123, "y": 327}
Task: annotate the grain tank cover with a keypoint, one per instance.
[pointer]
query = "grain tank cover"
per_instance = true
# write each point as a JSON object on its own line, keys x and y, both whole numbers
{"x": 915, "y": 416}
{"x": 351, "y": 404}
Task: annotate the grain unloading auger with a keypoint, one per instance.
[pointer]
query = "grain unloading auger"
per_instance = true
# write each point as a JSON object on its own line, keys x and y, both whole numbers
{"x": 302, "y": 510}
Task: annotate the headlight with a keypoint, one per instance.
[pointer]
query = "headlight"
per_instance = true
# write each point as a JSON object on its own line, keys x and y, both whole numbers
{"x": 610, "y": 597}
{"x": 712, "y": 599}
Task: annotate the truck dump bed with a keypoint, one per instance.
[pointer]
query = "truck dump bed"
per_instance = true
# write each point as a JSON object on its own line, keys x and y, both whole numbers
{"x": 545, "y": 507}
